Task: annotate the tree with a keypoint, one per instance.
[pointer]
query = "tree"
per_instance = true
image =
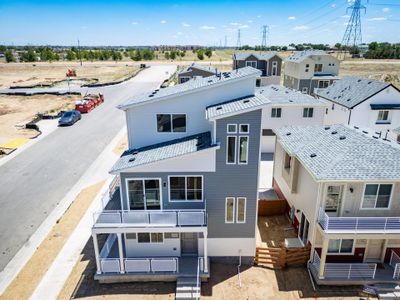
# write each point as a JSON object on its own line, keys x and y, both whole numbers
{"x": 166, "y": 55}
{"x": 135, "y": 55}
{"x": 116, "y": 55}
{"x": 338, "y": 46}
{"x": 208, "y": 52}
{"x": 147, "y": 54}
{"x": 200, "y": 54}
{"x": 71, "y": 55}
{"x": 9, "y": 56}
{"x": 172, "y": 55}
{"x": 284, "y": 48}
{"x": 28, "y": 56}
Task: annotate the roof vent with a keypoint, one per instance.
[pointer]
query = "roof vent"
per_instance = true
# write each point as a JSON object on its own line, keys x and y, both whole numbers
{"x": 334, "y": 132}
{"x": 356, "y": 127}
{"x": 135, "y": 152}
{"x": 364, "y": 131}
{"x": 313, "y": 155}
{"x": 151, "y": 95}
{"x": 327, "y": 127}
{"x": 348, "y": 99}
{"x": 219, "y": 107}
{"x": 342, "y": 138}
{"x": 290, "y": 100}
{"x": 288, "y": 133}
{"x": 359, "y": 80}
{"x": 369, "y": 82}
{"x": 132, "y": 159}
{"x": 375, "y": 137}
{"x": 246, "y": 101}
{"x": 209, "y": 81}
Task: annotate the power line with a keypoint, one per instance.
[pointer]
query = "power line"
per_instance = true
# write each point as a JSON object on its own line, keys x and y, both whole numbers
{"x": 352, "y": 35}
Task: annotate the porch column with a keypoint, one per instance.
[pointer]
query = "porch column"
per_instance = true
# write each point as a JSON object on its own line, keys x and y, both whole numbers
{"x": 324, "y": 250}
{"x": 205, "y": 252}
{"x": 383, "y": 254}
{"x": 121, "y": 253}
{"x": 96, "y": 253}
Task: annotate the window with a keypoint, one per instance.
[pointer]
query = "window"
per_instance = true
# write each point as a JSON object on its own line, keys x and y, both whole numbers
{"x": 231, "y": 150}
{"x": 322, "y": 84}
{"x": 171, "y": 123}
{"x": 241, "y": 210}
{"x": 154, "y": 237}
{"x": 377, "y": 196}
{"x": 383, "y": 116}
{"x": 144, "y": 194}
{"x": 308, "y": 112}
{"x": 258, "y": 82}
{"x": 318, "y": 68}
{"x": 243, "y": 149}
{"x": 235, "y": 210}
{"x": 244, "y": 128}
{"x": 231, "y": 128}
{"x": 229, "y": 209}
{"x": 276, "y": 112}
{"x": 186, "y": 188}
{"x": 304, "y": 90}
{"x": 333, "y": 198}
{"x": 251, "y": 64}
{"x": 340, "y": 246}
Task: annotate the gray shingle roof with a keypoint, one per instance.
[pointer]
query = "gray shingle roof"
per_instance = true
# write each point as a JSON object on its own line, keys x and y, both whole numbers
{"x": 278, "y": 94}
{"x": 302, "y": 55}
{"x": 206, "y": 68}
{"x": 191, "y": 86}
{"x": 329, "y": 156}
{"x": 259, "y": 56}
{"x": 351, "y": 91}
{"x": 161, "y": 151}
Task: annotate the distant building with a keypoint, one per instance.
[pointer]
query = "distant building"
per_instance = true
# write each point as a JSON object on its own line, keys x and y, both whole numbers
{"x": 195, "y": 70}
{"x": 310, "y": 69}
{"x": 269, "y": 63}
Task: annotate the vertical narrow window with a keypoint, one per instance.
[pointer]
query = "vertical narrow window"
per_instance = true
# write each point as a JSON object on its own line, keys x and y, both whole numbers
{"x": 241, "y": 210}
{"x": 179, "y": 123}
{"x": 194, "y": 188}
{"x": 229, "y": 209}
{"x": 177, "y": 187}
{"x": 243, "y": 149}
{"x": 231, "y": 150}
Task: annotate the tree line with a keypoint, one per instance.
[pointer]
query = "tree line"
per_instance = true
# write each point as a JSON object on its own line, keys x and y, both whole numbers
{"x": 383, "y": 51}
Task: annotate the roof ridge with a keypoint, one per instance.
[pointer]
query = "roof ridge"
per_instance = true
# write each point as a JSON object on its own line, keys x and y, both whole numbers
{"x": 230, "y": 101}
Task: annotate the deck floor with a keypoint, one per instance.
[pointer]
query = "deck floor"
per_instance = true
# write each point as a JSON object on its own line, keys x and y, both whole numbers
{"x": 273, "y": 230}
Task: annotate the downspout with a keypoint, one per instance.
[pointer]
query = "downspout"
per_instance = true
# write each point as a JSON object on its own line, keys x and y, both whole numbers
{"x": 348, "y": 122}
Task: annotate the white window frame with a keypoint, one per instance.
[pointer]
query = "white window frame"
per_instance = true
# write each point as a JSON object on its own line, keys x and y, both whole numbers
{"x": 227, "y": 128}
{"x": 315, "y": 67}
{"x": 227, "y": 147}
{"x": 172, "y": 127}
{"x": 238, "y": 148}
{"x": 274, "y": 66}
{"x": 383, "y": 121}
{"x": 186, "y": 199}
{"x": 308, "y": 112}
{"x": 142, "y": 179}
{"x": 324, "y": 81}
{"x": 237, "y": 210}
{"x": 249, "y": 63}
{"x": 379, "y": 184}
{"x": 151, "y": 240}
{"x": 244, "y": 132}
{"x": 276, "y": 110}
{"x": 340, "y": 246}
{"x": 233, "y": 210}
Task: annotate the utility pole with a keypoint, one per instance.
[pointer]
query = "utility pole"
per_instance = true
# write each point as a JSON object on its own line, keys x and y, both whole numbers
{"x": 79, "y": 52}
{"x": 238, "y": 42}
{"x": 352, "y": 36}
{"x": 265, "y": 32}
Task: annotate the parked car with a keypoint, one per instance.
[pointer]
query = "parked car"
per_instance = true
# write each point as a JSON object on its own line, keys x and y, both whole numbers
{"x": 69, "y": 118}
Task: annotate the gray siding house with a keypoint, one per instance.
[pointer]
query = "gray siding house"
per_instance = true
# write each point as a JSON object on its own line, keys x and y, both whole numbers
{"x": 269, "y": 63}
{"x": 195, "y": 70}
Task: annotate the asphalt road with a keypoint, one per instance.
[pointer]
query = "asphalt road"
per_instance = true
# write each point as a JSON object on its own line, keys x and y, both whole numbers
{"x": 32, "y": 183}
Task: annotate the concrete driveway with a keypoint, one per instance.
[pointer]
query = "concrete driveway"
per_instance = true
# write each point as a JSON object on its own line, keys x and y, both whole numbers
{"x": 34, "y": 182}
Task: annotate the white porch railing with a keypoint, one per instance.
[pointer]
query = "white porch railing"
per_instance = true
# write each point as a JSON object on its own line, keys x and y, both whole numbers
{"x": 344, "y": 271}
{"x": 359, "y": 224}
{"x": 395, "y": 263}
{"x": 160, "y": 218}
{"x": 141, "y": 265}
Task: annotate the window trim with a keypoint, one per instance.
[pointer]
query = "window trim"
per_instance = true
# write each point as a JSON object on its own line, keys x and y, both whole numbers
{"x": 237, "y": 210}
{"x": 243, "y": 132}
{"x": 377, "y": 208}
{"x": 308, "y": 112}
{"x": 186, "y": 200}
{"x": 247, "y": 152}
{"x": 383, "y": 121}
{"x": 151, "y": 241}
{"x": 233, "y": 210}
{"x": 227, "y": 128}
{"x": 172, "y": 127}
{"x": 339, "y": 253}
{"x": 276, "y": 110}
{"x": 236, "y": 152}
{"x": 143, "y": 179}
{"x": 251, "y": 65}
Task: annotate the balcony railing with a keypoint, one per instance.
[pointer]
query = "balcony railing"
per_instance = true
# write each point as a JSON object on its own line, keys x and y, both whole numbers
{"x": 359, "y": 224}
{"x": 140, "y": 265}
{"x": 160, "y": 218}
{"x": 395, "y": 263}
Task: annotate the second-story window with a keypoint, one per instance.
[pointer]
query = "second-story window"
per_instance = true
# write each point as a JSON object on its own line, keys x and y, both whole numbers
{"x": 186, "y": 188}
{"x": 171, "y": 123}
{"x": 237, "y": 146}
{"x": 276, "y": 112}
{"x": 243, "y": 149}
{"x": 383, "y": 116}
{"x": 318, "y": 68}
{"x": 377, "y": 195}
{"x": 308, "y": 112}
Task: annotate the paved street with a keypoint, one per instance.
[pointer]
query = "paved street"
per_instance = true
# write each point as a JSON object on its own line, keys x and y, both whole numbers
{"x": 33, "y": 183}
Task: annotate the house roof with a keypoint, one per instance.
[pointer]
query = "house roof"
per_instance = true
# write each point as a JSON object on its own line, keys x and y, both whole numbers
{"x": 206, "y": 68}
{"x": 259, "y": 56}
{"x": 161, "y": 151}
{"x": 190, "y": 86}
{"x": 278, "y": 94}
{"x": 299, "y": 56}
{"x": 351, "y": 91}
{"x": 341, "y": 153}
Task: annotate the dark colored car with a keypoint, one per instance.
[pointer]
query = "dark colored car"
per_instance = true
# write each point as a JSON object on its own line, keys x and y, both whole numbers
{"x": 69, "y": 118}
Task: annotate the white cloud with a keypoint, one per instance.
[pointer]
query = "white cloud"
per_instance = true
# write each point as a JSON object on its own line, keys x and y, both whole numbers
{"x": 333, "y": 5}
{"x": 243, "y": 26}
{"x": 179, "y": 33}
{"x": 386, "y": 9}
{"x": 134, "y": 23}
{"x": 163, "y": 22}
{"x": 377, "y": 19}
{"x": 292, "y": 18}
{"x": 206, "y": 27}
{"x": 259, "y": 16}
{"x": 235, "y": 24}
{"x": 345, "y": 16}
{"x": 301, "y": 28}
{"x": 249, "y": 21}
{"x": 185, "y": 24}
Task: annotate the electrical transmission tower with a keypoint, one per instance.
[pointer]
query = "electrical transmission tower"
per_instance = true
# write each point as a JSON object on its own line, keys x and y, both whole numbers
{"x": 226, "y": 42}
{"x": 352, "y": 36}
{"x": 264, "y": 33}
{"x": 238, "y": 42}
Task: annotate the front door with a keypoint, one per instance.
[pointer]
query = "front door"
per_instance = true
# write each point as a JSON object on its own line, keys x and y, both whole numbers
{"x": 374, "y": 251}
{"x": 333, "y": 200}
{"x": 189, "y": 243}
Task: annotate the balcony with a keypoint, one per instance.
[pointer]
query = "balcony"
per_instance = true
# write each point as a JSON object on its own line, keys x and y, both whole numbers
{"x": 154, "y": 218}
{"x": 374, "y": 225}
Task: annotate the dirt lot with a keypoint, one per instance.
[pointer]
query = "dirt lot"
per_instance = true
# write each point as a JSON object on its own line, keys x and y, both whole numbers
{"x": 26, "y": 74}
{"x": 15, "y": 111}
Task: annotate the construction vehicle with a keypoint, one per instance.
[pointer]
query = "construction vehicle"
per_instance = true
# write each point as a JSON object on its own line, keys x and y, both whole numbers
{"x": 71, "y": 73}
{"x": 89, "y": 102}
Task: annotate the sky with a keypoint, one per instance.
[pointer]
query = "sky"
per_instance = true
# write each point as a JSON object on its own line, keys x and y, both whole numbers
{"x": 205, "y": 22}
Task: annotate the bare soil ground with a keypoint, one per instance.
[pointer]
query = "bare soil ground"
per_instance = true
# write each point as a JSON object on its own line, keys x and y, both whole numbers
{"x": 27, "y": 74}
{"x": 273, "y": 231}
{"x": 16, "y": 111}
